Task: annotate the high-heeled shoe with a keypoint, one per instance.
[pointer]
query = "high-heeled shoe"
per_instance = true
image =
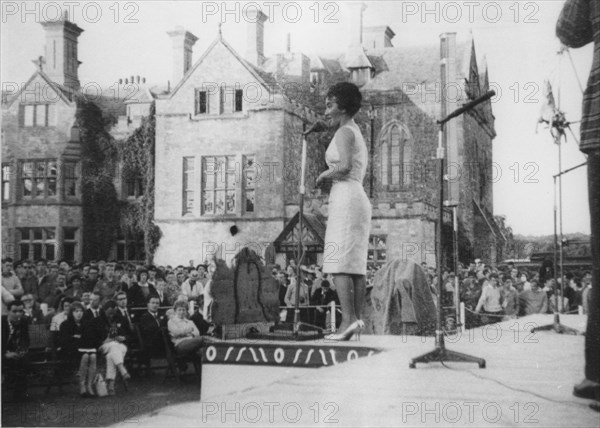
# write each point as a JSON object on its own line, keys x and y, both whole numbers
{"x": 347, "y": 334}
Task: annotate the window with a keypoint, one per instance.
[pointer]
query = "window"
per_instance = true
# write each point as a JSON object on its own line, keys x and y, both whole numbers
{"x": 377, "y": 255}
{"x": 70, "y": 179}
{"x": 130, "y": 246}
{"x": 134, "y": 187}
{"x": 69, "y": 243}
{"x": 218, "y": 185}
{"x": 201, "y": 102}
{"x": 188, "y": 185}
{"x": 38, "y": 115}
{"x": 6, "y": 173}
{"x": 250, "y": 174}
{"x": 37, "y": 242}
{"x": 395, "y": 154}
{"x": 38, "y": 178}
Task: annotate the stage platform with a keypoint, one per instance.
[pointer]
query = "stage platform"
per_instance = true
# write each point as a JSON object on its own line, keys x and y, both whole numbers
{"x": 528, "y": 381}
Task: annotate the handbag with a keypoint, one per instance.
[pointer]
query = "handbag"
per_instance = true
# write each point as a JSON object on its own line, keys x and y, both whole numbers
{"x": 100, "y": 386}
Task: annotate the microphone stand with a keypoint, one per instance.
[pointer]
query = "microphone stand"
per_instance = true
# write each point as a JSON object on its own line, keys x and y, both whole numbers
{"x": 440, "y": 353}
{"x": 302, "y": 330}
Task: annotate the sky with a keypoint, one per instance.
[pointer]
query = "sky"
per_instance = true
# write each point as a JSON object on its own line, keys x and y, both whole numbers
{"x": 517, "y": 39}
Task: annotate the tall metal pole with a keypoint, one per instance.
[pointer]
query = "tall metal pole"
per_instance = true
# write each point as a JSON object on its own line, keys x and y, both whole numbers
{"x": 560, "y": 218}
{"x": 555, "y": 239}
{"x": 439, "y": 334}
{"x": 372, "y": 154}
{"x": 300, "y": 241}
{"x": 456, "y": 281}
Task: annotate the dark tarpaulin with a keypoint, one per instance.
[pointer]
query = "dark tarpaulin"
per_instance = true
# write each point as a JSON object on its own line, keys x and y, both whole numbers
{"x": 401, "y": 300}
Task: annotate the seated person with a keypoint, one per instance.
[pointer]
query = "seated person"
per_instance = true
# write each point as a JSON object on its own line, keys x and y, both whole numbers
{"x": 138, "y": 293}
{"x": 151, "y": 325}
{"x": 64, "y": 307}
{"x": 69, "y": 337}
{"x": 15, "y": 345}
{"x": 184, "y": 333}
{"x": 124, "y": 320}
{"x": 114, "y": 349}
{"x": 31, "y": 311}
{"x": 198, "y": 318}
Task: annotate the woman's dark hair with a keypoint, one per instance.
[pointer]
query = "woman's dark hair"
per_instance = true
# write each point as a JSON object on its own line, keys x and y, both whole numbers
{"x": 74, "y": 306}
{"x": 347, "y": 95}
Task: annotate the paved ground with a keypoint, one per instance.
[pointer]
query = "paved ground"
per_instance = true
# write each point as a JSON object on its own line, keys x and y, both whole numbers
{"x": 145, "y": 395}
{"x": 527, "y": 382}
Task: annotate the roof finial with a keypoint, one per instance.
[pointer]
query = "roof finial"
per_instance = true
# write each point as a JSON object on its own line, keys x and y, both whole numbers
{"x": 220, "y": 31}
{"x": 40, "y": 63}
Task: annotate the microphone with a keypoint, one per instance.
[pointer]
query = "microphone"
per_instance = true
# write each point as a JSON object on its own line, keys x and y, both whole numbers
{"x": 318, "y": 126}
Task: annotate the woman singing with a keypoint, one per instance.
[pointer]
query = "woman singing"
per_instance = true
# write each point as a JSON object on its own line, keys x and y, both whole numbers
{"x": 349, "y": 222}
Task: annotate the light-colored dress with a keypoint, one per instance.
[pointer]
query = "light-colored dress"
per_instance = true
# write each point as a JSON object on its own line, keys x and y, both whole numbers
{"x": 349, "y": 219}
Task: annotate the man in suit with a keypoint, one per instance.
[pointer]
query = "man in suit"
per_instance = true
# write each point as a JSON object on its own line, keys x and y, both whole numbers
{"x": 151, "y": 325}
{"x": 15, "y": 344}
{"x": 94, "y": 311}
{"x": 577, "y": 26}
{"x": 124, "y": 320}
{"x": 161, "y": 286}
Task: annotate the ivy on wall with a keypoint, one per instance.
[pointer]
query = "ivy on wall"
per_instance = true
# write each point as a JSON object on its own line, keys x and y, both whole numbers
{"x": 104, "y": 214}
{"x": 137, "y": 156}
{"x": 99, "y": 197}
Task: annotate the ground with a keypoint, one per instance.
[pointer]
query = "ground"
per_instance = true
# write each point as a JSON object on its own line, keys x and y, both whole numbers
{"x": 145, "y": 395}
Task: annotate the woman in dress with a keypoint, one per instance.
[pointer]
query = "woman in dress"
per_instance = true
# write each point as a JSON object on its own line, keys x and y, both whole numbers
{"x": 69, "y": 341}
{"x": 349, "y": 221}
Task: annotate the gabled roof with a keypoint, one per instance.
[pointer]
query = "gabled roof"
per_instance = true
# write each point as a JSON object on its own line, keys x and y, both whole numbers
{"x": 264, "y": 78}
{"x": 63, "y": 92}
{"x": 408, "y": 65}
{"x": 313, "y": 233}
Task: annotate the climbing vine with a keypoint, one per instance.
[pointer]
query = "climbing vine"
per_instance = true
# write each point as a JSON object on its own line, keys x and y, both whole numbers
{"x": 137, "y": 157}
{"x": 99, "y": 197}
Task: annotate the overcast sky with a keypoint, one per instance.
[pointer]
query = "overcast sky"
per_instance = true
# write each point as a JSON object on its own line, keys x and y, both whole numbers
{"x": 517, "y": 39}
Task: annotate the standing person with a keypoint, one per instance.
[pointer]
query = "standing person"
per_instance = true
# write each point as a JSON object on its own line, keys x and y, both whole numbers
{"x": 491, "y": 300}
{"x": 11, "y": 285}
{"x": 349, "y": 220}
{"x": 578, "y": 25}
{"x": 510, "y": 298}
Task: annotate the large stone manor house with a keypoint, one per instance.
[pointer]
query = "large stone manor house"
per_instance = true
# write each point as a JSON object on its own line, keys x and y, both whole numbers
{"x": 227, "y": 149}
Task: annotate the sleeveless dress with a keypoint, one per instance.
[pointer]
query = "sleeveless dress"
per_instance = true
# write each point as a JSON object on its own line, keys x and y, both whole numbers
{"x": 349, "y": 219}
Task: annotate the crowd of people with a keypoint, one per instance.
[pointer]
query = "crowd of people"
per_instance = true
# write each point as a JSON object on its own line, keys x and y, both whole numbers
{"x": 97, "y": 313}
{"x": 92, "y": 308}
{"x": 492, "y": 295}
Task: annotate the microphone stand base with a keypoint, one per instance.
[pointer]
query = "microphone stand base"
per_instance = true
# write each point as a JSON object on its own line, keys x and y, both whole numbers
{"x": 557, "y": 327}
{"x": 441, "y": 354}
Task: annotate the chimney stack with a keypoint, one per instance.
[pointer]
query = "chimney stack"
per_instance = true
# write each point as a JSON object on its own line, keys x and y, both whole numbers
{"x": 61, "y": 52}
{"x": 183, "y": 41}
{"x": 255, "y": 36}
{"x": 378, "y": 37}
{"x": 355, "y": 15}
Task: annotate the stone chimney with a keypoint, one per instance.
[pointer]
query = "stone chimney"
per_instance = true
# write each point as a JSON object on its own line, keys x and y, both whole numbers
{"x": 355, "y": 22}
{"x": 62, "y": 64}
{"x": 255, "y": 36}
{"x": 378, "y": 37}
{"x": 183, "y": 41}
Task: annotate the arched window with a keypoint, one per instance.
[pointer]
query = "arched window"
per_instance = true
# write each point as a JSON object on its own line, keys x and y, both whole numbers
{"x": 395, "y": 156}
